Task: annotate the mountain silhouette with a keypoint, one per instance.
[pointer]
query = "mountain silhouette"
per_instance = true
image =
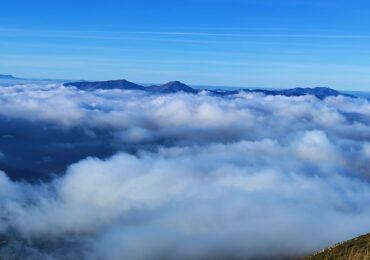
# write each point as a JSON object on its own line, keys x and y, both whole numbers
{"x": 177, "y": 86}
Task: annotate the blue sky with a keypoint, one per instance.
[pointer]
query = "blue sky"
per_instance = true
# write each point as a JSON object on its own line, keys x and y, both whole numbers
{"x": 250, "y": 43}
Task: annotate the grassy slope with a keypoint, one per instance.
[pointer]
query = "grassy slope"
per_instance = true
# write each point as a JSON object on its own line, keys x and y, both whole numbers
{"x": 357, "y": 248}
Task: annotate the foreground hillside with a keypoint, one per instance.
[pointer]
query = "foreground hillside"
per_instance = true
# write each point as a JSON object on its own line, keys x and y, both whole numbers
{"x": 357, "y": 248}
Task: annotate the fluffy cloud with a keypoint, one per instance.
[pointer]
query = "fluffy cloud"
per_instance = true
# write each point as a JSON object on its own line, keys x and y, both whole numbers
{"x": 139, "y": 117}
{"x": 193, "y": 176}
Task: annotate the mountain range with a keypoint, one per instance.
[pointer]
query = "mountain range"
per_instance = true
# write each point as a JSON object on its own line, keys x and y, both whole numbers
{"x": 177, "y": 86}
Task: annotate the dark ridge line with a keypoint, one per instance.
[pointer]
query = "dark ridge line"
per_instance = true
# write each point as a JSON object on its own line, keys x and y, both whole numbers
{"x": 177, "y": 86}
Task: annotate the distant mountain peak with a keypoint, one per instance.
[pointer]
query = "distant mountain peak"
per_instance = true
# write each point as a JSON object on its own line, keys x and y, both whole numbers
{"x": 175, "y": 82}
{"x": 110, "y": 84}
{"x": 3, "y": 76}
{"x": 319, "y": 92}
{"x": 172, "y": 87}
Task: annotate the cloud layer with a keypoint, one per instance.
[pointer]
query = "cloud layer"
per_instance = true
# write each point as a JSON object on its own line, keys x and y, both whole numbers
{"x": 192, "y": 176}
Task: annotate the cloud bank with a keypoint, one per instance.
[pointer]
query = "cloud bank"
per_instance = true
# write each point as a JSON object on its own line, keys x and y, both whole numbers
{"x": 181, "y": 176}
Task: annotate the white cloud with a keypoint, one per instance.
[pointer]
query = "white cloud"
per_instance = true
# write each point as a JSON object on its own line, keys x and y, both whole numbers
{"x": 197, "y": 201}
{"x": 242, "y": 176}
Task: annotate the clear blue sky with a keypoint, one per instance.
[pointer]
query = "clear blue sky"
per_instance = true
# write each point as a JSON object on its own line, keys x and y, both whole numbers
{"x": 251, "y": 43}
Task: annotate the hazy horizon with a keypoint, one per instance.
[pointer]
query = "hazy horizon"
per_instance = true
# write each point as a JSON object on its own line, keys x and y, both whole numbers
{"x": 359, "y": 93}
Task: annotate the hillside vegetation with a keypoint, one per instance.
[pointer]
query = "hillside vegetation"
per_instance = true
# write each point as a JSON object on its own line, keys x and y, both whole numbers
{"x": 354, "y": 249}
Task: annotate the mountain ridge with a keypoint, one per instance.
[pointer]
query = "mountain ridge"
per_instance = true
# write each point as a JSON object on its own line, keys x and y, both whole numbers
{"x": 7, "y": 76}
{"x": 109, "y": 84}
{"x": 177, "y": 86}
{"x": 172, "y": 87}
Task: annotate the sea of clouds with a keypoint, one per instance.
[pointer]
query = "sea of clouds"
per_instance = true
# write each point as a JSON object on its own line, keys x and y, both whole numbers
{"x": 179, "y": 176}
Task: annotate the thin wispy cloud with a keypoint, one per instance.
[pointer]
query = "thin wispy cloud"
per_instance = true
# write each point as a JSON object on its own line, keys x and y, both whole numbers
{"x": 117, "y": 34}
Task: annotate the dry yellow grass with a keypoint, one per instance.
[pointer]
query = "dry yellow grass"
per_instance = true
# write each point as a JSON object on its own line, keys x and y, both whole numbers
{"x": 354, "y": 249}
